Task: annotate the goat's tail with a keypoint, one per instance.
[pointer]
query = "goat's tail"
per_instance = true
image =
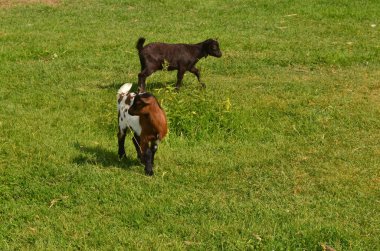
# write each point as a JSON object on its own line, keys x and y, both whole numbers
{"x": 124, "y": 89}
{"x": 140, "y": 43}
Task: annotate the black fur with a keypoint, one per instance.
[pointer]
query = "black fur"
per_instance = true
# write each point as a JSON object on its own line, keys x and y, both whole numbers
{"x": 180, "y": 57}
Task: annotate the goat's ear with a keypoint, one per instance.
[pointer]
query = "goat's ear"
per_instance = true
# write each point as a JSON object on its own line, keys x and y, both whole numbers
{"x": 206, "y": 45}
{"x": 147, "y": 100}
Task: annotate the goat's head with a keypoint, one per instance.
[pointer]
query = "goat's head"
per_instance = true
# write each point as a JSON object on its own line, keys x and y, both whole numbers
{"x": 141, "y": 104}
{"x": 211, "y": 46}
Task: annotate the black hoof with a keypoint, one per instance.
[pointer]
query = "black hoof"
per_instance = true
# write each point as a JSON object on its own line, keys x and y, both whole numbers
{"x": 149, "y": 172}
{"x": 121, "y": 156}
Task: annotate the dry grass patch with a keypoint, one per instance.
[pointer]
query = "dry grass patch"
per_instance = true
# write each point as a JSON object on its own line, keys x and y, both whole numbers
{"x": 13, "y": 3}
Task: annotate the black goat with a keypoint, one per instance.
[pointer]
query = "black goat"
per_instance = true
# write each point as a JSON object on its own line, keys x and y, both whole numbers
{"x": 181, "y": 57}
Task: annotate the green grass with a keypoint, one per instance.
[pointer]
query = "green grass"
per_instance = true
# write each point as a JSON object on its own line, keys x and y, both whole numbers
{"x": 280, "y": 151}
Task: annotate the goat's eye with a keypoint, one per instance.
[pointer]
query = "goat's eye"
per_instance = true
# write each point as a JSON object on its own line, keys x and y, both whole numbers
{"x": 140, "y": 103}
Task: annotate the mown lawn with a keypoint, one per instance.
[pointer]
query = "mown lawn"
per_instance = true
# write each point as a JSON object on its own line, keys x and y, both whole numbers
{"x": 281, "y": 151}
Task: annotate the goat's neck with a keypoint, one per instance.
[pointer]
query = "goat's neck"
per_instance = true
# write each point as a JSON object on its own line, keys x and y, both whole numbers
{"x": 200, "y": 51}
{"x": 155, "y": 116}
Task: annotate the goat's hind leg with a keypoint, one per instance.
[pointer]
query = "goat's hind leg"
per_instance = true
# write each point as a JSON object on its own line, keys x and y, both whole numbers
{"x": 142, "y": 78}
{"x": 141, "y": 83}
{"x": 121, "y": 140}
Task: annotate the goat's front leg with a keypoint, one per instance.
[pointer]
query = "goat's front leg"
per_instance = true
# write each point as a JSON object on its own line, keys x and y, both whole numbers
{"x": 121, "y": 140}
{"x": 147, "y": 156}
{"x": 148, "y": 159}
{"x": 153, "y": 148}
{"x": 180, "y": 74}
{"x": 195, "y": 71}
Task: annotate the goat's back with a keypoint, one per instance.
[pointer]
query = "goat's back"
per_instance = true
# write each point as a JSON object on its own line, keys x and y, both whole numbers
{"x": 175, "y": 54}
{"x": 161, "y": 48}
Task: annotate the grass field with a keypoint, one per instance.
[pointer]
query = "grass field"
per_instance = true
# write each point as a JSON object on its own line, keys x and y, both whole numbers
{"x": 281, "y": 151}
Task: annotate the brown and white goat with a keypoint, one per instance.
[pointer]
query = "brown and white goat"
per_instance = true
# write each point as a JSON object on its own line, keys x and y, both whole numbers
{"x": 143, "y": 114}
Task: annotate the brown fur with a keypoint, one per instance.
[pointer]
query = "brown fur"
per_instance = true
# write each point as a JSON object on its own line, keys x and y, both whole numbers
{"x": 154, "y": 126}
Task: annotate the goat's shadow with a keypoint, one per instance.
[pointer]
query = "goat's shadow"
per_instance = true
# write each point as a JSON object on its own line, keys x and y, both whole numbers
{"x": 96, "y": 155}
{"x": 160, "y": 85}
{"x": 115, "y": 86}
{"x": 149, "y": 86}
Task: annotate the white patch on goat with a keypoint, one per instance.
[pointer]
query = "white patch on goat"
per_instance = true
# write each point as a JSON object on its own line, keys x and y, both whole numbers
{"x": 126, "y": 120}
{"x": 124, "y": 89}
